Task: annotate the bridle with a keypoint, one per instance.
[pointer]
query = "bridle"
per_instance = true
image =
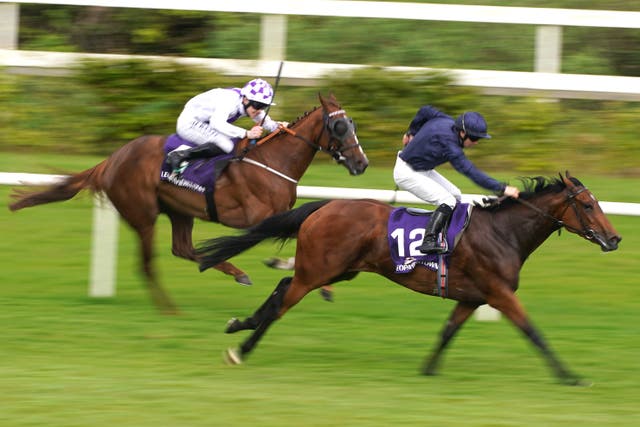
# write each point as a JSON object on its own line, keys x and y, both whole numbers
{"x": 585, "y": 232}
{"x": 339, "y": 129}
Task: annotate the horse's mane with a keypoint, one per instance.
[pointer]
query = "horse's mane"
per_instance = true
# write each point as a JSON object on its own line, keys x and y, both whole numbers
{"x": 305, "y": 114}
{"x": 532, "y": 187}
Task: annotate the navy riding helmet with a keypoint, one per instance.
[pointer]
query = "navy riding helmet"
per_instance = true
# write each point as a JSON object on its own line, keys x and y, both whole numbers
{"x": 473, "y": 124}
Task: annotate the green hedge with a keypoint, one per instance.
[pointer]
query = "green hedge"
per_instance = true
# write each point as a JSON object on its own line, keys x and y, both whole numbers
{"x": 102, "y": 105}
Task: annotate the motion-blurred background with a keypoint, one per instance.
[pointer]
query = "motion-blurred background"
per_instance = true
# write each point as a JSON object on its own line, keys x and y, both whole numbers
{"x": 146, "y": 97}
{"x": 70, "y": 360}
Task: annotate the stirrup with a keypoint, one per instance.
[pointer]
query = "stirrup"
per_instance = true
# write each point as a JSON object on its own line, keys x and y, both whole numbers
{"x": 436, "y": 246}
{"x": 176, "y": 159}
{"x": 177, "y": 171}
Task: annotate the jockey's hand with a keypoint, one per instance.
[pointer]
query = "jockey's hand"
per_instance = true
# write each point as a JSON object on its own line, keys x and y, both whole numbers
{"x": 406, "y": 138}
{"x": 486, "y": 201}
{"x": 511, "y": 191}
{"x": 255, "y": 132}
{"x": 283, "y": 124}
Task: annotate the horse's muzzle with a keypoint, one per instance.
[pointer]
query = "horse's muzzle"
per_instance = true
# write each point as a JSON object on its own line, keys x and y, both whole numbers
{"x": 608, "y": 245}
{"x": 354, "y": 166}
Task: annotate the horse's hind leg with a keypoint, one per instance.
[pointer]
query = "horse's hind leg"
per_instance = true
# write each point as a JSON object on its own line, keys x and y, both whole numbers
{"x": 269, "y": 308}
{"x": 230, "y": 269}
{"x": 182, "y": 246}
{"x": 288, "y": 264}
{"x": 510, "y": 306}
{"x": 459, "y": 315}
{"x": 285, "y": 296}
{"x": 234, "y": 324}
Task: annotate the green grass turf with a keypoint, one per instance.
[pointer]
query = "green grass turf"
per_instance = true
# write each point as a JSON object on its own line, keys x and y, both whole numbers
{"x": 69, "y": 360}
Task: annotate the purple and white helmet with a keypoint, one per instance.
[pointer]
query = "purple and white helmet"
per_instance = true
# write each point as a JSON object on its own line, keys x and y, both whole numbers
{"x": 258, "y": 90}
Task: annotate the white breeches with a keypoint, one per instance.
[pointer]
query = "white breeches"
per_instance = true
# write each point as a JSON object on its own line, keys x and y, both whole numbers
{"x": 200, "y": 133}
{"x": 429, "y": 185}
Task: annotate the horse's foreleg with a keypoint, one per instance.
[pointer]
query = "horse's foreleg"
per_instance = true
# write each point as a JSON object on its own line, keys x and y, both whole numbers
{"x": 459, "y": 315}
{"x": 510, "y": 306}
{"x": 160, "y": 298}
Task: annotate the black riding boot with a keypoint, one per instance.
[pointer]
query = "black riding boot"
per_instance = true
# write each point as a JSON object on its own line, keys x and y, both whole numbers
{"x": 175, "y": 158}
{"x": 439, "y": 219}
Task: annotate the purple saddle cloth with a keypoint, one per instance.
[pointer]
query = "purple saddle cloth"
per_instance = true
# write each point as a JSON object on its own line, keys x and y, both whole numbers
{"x": 406, "y": 231}
{"x": 200, "y": 174}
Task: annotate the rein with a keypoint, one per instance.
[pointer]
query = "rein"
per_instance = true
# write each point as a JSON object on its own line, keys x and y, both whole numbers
{"x": 242, "y": 157}
{"x": 330, "y": 125}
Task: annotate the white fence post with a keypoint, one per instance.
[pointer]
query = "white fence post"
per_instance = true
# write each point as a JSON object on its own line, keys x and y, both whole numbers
{"x": 104, "y": 248}
{"x": 273, "y": 37}
{"x": 9, "y": 22}
{"x": 548, "y": 49}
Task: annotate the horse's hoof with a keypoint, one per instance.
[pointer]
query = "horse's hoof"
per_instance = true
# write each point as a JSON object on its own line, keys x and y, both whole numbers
{"x": 326, "y": 295}
{"x": 232, "y": 357}
{"x": 244, "y": 280}
{"x": 233, "y": 325}
{"x": 577, "y": 382}
{"x": 170, "y": 310}
{"x": 279, "y": 263}
{"x": 428, "y": 371}
{"x": 271, "y": 262}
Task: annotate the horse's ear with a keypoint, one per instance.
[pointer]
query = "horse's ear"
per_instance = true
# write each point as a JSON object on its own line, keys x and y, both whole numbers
{"x": 567, "y": 179}
{"x": 321, "y": 98}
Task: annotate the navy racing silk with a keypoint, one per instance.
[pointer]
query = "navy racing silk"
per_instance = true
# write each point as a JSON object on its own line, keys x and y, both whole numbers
{"x": 435, "y": 142}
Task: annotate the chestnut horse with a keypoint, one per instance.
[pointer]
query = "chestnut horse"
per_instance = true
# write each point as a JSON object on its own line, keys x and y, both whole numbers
{"x": 340, "y": 238}
{"x": 256, "y": 184}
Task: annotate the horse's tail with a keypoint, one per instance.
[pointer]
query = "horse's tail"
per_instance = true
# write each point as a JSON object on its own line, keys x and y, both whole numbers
{"x": 282, "y": 226}
{"x": 65, "y": 190}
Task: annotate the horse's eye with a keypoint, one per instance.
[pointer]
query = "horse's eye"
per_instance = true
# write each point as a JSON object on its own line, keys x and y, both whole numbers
{"x": 588, "y": 207}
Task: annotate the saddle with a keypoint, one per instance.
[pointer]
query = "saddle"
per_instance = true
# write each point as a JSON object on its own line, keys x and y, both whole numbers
{"x": 406, "y": 231}
{"x": 200, "y": 174}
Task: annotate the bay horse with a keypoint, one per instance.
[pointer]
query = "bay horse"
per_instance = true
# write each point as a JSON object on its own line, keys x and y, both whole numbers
{"x": 338, "y": 239}
{"x": 256, "y": 184}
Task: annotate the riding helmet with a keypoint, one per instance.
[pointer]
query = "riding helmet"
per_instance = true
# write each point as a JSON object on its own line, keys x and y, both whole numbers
{"x": 258, "y": 90}
{"x": 473, "y": 124}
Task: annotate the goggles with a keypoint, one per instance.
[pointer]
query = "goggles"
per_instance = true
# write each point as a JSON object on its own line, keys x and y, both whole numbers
{"x": 257, "y": 105}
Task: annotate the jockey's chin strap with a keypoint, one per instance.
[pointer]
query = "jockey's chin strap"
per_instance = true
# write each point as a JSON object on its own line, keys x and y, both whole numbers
{"x": 586, "y": 232}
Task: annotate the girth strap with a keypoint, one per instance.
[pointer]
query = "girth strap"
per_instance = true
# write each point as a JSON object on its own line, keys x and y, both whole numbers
{"x": 442, "y": 277}
{"x": 211, "y": 206}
